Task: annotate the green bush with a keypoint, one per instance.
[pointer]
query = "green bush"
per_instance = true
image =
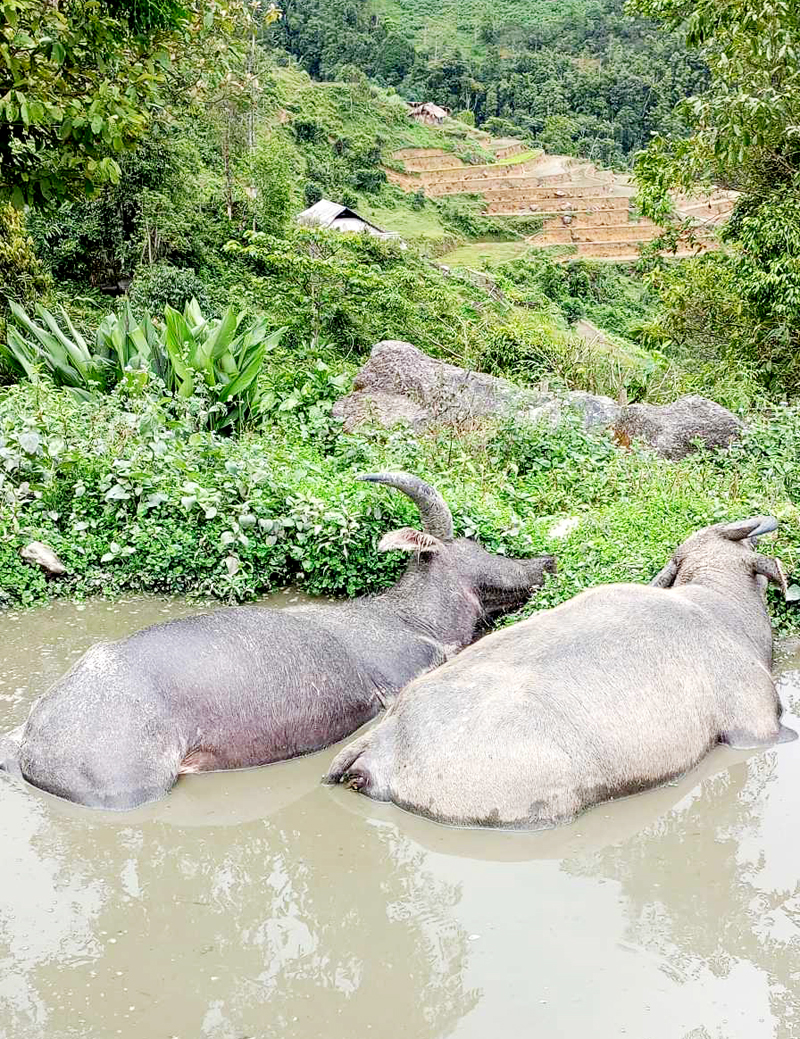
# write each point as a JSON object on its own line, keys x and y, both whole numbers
{"x": 274, "y": 174}
{"x": 21, "y": 275}
{"x": 464, "y": 213}
{"x": 159, "y": 285}
{"x": 214, "y": 364}
{"x": 133, "y": 497}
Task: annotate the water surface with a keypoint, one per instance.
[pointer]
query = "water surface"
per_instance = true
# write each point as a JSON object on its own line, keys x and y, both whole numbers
{"x": 261, "y": 904}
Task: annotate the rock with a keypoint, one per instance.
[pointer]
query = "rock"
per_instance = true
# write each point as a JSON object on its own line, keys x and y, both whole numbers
{"x": 671, "y": 428}
{"x": 400, "y": 383}
{"x": 597, "y": 411}
{"x": 564, "y": 527}
{"x": 42, "y": 555}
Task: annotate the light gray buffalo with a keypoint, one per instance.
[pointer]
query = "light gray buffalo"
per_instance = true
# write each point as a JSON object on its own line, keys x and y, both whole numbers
{"x": 252, "y": 685}
{"x": 621, "y": 688}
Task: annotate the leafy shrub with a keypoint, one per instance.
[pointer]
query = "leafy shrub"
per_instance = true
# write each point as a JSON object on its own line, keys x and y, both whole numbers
{"x": 155, "y": 213}
{"x": 215, "y": 362}
{"x": 464, "y": 213}
{"x": 133, "y": 497}
{"x": 21, "y": 275}
{"x": 308, "y": 130}
{"x": 161, "y": 285}
{"x": 62, "y": 353}
{"x": 368, "y": 179}
{"x": 312, "y": 192}
{"x": 274, "y": 174}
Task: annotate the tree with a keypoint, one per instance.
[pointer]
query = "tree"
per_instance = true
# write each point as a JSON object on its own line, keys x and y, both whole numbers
{"x": 274, "y": 172}
{"x": 395, "y": 58}
{"x": 746, "y": 126}
{"x": 81, "y": 83}
{"x": 745, "y": 135}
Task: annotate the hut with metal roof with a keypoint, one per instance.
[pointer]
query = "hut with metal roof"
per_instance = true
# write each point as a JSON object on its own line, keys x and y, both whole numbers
{"x": 427, "y": 112}
{"x": 341, "y": 218}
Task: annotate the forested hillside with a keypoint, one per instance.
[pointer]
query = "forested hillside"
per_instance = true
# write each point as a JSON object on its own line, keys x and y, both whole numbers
{"x": 575, "y": 77}
{"x": 160, "y": 304}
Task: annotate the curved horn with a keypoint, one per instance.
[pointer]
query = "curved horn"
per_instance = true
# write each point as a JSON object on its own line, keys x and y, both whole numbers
{"x": 749, "y": 528}
{"x": 436, "y": 516}
{"x": 666, "y": 578}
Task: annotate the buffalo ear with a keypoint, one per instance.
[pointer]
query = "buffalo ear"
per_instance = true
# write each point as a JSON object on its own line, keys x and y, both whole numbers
{"x": 771, "y": 568}
{"x": 666, "y": 578}
{"x": 409, "y": 540}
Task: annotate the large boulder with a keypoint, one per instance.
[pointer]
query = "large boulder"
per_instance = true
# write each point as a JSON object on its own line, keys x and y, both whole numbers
{"x": 671, "y": 429}
{"x": 400, "y": 383}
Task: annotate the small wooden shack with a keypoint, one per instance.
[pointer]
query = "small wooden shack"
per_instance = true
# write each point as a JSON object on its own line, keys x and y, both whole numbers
{"x": 427, "y": 112}
{"x": 340, "y": 218}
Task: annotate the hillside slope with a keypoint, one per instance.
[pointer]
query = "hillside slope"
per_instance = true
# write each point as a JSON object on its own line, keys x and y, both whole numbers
{"x": 575, "y": 76}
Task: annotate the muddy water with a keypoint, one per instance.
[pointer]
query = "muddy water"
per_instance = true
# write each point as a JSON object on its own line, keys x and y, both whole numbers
{"x": 260, "y": 904}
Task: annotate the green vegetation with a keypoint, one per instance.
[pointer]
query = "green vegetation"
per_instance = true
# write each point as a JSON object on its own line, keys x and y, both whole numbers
{"x": 22, "y": 277}
{"x": 185, "y": 355}
{"x": 744, "y": 302}
{"x": 79, "y": 85}
{"x": 181, "y": 439}
{"x": 157, "y": 504}
{"x": 485, "y": 254}
{"x": 576, "y": 77}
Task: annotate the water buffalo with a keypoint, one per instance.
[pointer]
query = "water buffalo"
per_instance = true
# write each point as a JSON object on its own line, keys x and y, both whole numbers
{"x": 250, "y": 685}
{"x": 619, "y": 689}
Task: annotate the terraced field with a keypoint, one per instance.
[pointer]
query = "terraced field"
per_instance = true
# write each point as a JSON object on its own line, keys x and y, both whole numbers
{"x": 585, "y": 209}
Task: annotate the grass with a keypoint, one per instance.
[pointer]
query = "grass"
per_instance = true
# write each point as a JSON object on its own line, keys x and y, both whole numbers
{"x": 479, "y": 254}
{"x": 410, "y": 223}
{"x": 346, "y": 110}
{"x": 514, "y": 160}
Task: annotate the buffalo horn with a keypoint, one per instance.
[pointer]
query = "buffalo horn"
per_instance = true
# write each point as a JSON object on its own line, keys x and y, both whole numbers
{"x": 749, "y": 528}
{"x": 436, "y": 516}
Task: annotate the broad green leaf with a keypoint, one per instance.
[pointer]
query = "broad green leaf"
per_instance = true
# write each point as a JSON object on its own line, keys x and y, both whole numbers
{"x": 75, "y": 349}
{"x": 19, "y": 352}
{"x": 179, "y": 339}
{"x": 210, "y": 338}
{"x": 48, "y": 348}
{"x": 193, "y": 314}
{"x": 243, "y": 380}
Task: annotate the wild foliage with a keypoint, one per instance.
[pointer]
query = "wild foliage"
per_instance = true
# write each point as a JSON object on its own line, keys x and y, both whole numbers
{"x": 22, "y": 276}
{"x": 216, "y": 362}
{"x": 79, "y": 86}
{"x": 158, "y": 504}
{"x": 744, "y": 136}
{"x": 573, "y": 78}
{"x": 197, "y": 452}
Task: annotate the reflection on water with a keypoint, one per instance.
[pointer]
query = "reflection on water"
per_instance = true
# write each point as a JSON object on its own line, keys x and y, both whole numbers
{"x": 262, "y": 904}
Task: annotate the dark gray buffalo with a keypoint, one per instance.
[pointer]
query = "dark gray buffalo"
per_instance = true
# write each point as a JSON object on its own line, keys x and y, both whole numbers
{"x": 249, "y": 685}
{"x": 621, "y": 688}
